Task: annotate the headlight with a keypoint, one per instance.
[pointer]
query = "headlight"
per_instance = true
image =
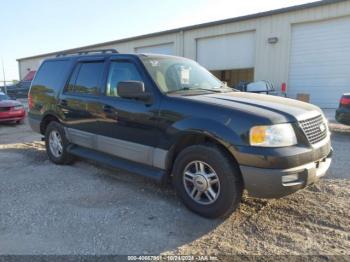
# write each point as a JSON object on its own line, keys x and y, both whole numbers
{"x": 279, "y": 135}
{"x": 18, "y": 107}
{"x": 326, "y": 122}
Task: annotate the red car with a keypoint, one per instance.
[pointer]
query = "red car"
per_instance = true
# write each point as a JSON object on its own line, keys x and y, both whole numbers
{"x": 11, "y": 110}
{"x": 342, "y": 115}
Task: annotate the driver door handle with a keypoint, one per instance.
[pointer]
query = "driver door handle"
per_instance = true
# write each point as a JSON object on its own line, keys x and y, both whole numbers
{"x": 63, "y": 102}
{"x": 107, "y": 109}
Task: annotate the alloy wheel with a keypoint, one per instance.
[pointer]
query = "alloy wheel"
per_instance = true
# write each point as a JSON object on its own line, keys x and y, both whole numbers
{"x": 55, "y": 143}
{"x": 201, "y": 182}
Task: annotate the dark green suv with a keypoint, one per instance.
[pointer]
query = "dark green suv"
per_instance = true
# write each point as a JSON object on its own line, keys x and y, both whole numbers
{"x": 167, "y": 117}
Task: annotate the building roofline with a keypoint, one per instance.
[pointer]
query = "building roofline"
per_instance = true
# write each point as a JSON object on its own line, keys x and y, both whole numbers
{"x": 192, "y": 27}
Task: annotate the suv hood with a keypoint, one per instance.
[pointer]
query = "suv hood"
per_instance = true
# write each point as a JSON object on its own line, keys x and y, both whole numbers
{"x": 276, "y": 109}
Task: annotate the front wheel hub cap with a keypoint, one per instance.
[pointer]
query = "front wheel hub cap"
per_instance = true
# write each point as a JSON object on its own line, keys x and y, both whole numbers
{"x": 201, "y": 182}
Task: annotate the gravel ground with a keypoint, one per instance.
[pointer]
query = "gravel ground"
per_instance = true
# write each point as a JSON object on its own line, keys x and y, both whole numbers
{"x": 88, "y": 209}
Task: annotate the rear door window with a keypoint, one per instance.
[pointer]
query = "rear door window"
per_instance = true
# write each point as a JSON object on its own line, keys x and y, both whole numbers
{"x": 86, "y": 78}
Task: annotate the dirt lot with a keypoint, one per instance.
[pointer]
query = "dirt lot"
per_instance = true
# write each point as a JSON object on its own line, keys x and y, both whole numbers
{"x": 88, "y": 209}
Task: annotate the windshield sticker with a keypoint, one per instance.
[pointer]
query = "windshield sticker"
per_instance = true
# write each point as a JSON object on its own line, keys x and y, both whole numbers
{"x": 185, "y": 75}
{"x": 154, "y": 63}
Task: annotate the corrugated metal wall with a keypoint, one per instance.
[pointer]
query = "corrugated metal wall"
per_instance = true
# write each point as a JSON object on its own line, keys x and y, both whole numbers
{"x": 320, "y": 61}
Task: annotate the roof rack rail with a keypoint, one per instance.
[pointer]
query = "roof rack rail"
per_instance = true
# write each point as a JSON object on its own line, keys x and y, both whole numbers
{"x": 102, "y": 51}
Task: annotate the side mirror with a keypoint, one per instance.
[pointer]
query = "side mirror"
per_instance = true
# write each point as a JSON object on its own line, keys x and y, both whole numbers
{"x": 133, "y": 89}
{"x": 260, "y": 87}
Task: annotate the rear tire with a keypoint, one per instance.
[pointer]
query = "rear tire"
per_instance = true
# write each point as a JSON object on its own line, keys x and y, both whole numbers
{"x": 56, "y": 144}
{"x": 208, "y": 181}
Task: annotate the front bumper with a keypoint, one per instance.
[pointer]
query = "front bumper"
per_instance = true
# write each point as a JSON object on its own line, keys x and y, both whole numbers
{"x": 268, "y": 183}
{"x": 12, "y": 115}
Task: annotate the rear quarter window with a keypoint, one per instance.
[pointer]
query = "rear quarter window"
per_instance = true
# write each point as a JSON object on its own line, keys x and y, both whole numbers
{"x": 50, "y": 76}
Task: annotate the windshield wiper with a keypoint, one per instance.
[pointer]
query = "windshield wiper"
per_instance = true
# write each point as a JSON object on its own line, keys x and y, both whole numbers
{"x": 194, "y": 89}
{"x": 217, "y": 90}
{"x": 177, "y": 90}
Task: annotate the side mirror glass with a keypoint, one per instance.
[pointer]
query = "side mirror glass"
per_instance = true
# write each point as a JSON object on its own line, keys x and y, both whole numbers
{"x": 133, "y": 90}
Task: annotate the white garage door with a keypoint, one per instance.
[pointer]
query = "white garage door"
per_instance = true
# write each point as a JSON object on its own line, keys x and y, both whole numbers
{"x": 234, "y": 51}
{"x": 164, "y": 49}
{"x": 320, "y": 61}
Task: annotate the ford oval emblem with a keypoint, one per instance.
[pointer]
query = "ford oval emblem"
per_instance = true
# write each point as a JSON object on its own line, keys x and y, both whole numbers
{"x": 322, "y": 127}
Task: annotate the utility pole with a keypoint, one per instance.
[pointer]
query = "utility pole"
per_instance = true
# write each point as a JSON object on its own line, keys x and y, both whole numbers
{"x": 3, "y": 72}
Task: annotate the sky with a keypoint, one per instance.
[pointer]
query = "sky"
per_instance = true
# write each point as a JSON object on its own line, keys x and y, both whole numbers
{"x": 34, "y": 27}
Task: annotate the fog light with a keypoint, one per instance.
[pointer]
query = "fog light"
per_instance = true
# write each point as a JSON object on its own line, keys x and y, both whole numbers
{"x": 290, "y": 178}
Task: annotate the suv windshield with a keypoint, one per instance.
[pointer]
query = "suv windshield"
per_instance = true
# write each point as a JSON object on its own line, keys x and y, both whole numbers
{"x": 174, "y": 74}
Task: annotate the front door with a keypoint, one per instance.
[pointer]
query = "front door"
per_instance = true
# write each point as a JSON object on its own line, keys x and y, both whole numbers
{"x": 129, "y": 127}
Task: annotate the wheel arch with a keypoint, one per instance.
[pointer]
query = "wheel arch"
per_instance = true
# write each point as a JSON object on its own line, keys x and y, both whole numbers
{"x": 196, "y": 137}
{"x": 46, "y": 120}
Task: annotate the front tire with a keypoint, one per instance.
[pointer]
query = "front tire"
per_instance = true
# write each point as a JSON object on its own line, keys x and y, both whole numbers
{"x": 56, "y": 144}
{"x": 208, "y": 181}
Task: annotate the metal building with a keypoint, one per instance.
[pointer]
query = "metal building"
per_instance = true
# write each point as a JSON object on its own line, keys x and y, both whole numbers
{"x": 305, "y": 46}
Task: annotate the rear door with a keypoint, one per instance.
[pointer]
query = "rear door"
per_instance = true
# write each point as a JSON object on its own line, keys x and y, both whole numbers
{"x": 80, "y": 103}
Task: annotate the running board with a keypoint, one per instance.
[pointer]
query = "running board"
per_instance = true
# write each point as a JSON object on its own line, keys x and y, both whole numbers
{"x": 122, "y": 164}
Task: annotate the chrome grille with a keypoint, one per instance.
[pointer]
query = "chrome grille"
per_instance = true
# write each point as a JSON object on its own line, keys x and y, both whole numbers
{"x": 313, "y": 129}
{"x": 4, "y": 109}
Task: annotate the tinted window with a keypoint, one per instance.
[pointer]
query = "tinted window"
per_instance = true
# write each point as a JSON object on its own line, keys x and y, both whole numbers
{"x": 86, "y": 78}
{"x": 73, "y": 79}
{"x": 120, "y": 71}
{"x": 51, "y": 75}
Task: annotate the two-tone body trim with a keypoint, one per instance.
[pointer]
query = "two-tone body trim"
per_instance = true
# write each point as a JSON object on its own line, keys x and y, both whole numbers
{"x": 139, "y": 153}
